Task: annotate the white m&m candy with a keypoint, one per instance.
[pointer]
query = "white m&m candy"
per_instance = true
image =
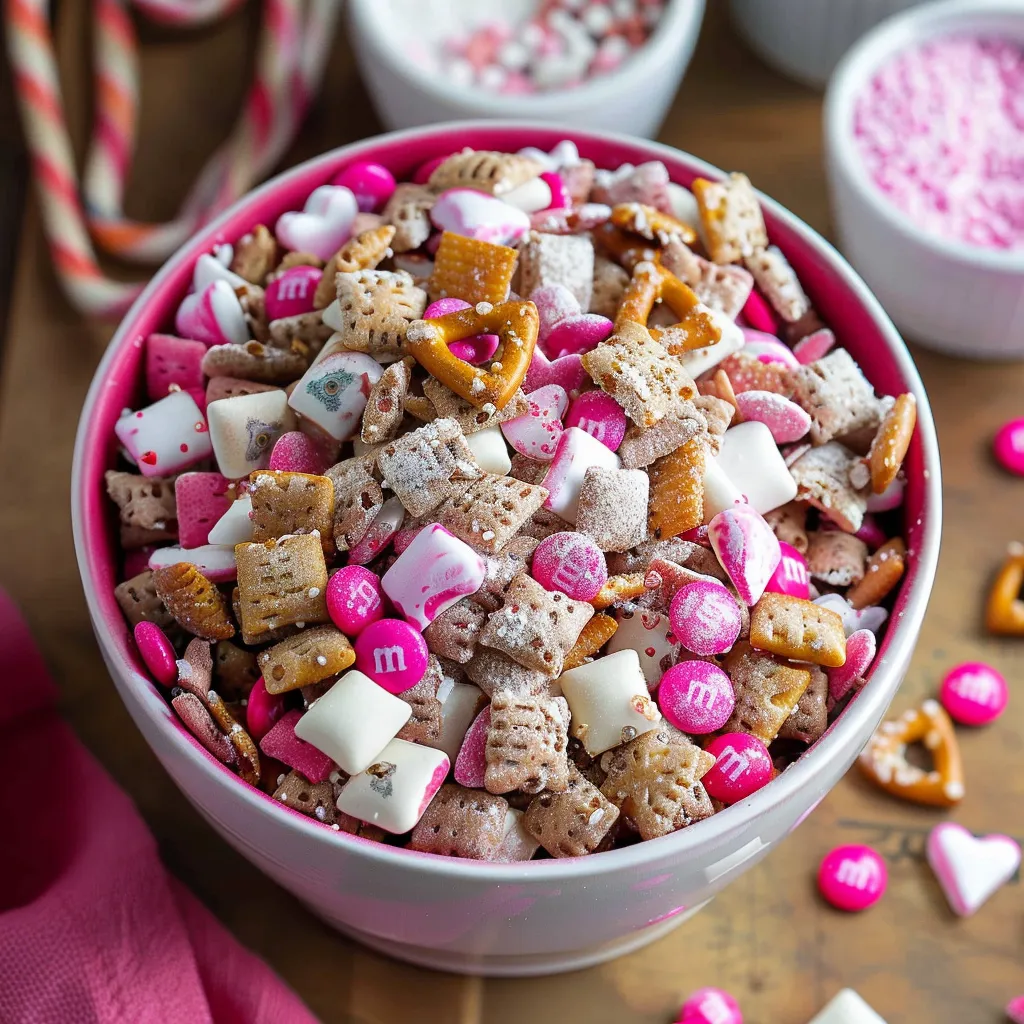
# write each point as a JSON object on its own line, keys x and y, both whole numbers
{"x": 332, "y": 393}
{"x": 167, "y": 436}
{"x": 395, "y": 790}
{"x": 243, "y": 430}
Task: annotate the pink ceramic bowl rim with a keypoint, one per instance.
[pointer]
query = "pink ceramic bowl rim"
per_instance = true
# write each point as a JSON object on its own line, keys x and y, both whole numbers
{"x": 824, "y": 272}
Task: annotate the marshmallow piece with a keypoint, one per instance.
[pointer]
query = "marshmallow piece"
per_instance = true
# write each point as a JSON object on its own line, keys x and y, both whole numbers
{"x": 353, "y": 721}
{"x": 847, "y": 1008}
{"x": 755, "y": 466}
{"x": 576, "y": 452}
{"x": 166, "y": 437}
{"x": 332, "y": 393}
{"x": 216, "y": 563}
{"x": 395, "y": 790}
{"x": 700, "y": 360}
{"x": 209, "y": 269}
{"x": 609, "y": 701}
{"x": 517, "y": 844}
{"x": 458, "y": 709}
{"x": 243, "y": 430}
{"x": 531, "y": 196}
{"x": 647, "y": 633}
{"x": 236, "y": 525}
{"x": 720, "y": 492}
{"x": 489, "y": 448}
{"x": 434, "y": 572}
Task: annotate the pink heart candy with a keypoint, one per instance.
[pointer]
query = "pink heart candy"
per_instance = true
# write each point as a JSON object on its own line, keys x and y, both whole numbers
{"x": 600, "y": 416}
{"x": 323, "y": 225}
{"x": 815, "y": 346}
{"x": 471, "y": 764}
{"x": 554, "y": 304}
{"x": 567, "y": 372}
{"x": 213, "y": 316}
{"x": 465, "y": 211}
{"x": 535, "y": 434}
{"x": 296, "y": 452}
{"x": 371, "y": 183}
{"x": 768, "y": 348}
{"x": 578, "y": 333}
{"x": 201, "y": 499}
{"x": 173, "y": 363}
{"x": 860, "y": 652}
{"x": 784, "y": 418}
{"x": 747, "y": 549}
{"x": 292, "y": 293}
{"x": 969, "y": 868}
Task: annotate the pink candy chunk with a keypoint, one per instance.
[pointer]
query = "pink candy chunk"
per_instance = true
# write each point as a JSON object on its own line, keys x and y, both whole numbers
{"x": 579, "y": 333}
{"x": 600, "y": 416}
{"x": 535, "y": 434}
{"x": 1008, "y": 446}
{"x": 814, "y": 347}
{"x": 860, "y": 652}
{"x": 974, "y": 693}
{"x": 422, "y": 173}
{"x": 477, "y": 349}
{"x": 392, "y": 653}
{"x": 354, "y": 599}
{"x": 791, "y": 576}
{"x": 871, "y": 532}
{"x": 156, "y": 652}
{"x": 471, "y": 764}
{"x": 890, "y": 498}
{"x": 201, "y": 499}
{"x": 465, "y": 211}
{"x": 784, "y": 418}
{"x": 296, "y": 452}
{"x": 434, "y": 572}
{"x": 571, "y": 563}
{"x": 371, "y": 183}
{"x": 710, "y": 1006}
{"x": 758, "y": 313}
{"x": 742, "y": 766}
{"x": 705, "y": 618}
{"x": 747, "y": 549}
{"x": 768, "y": 348}
{"x": 560, "y": 198}
{"x": 263, "y": 710}
{"x": 213, "y": 315}
{"x": 554, "y": 303}
{"x": 292, "y": 293}
{"x": 173, "y": 363}
{"x": 853, "y": 877}
{"x": 567, "y": 372}
{"x": 282, "y": 743}
{"x": 696, "y": 697}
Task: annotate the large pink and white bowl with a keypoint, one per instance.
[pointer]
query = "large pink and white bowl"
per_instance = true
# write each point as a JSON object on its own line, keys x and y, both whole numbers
{"x": 474, "y": 917}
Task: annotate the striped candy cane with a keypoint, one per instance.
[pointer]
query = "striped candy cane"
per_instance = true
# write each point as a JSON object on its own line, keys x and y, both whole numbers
{"x": 292, "y": 53}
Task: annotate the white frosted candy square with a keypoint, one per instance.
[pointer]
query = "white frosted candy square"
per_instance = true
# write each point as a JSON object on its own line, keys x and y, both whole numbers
{"x": 847, "y": 1008}
{"x": 236, "y": 525}
{"x": 720, "y": 492}
{"x": 488, "y": 445}
{"x": 395, "y": 790}
{"x": 609, "y": 701}
{"x": 332, "y": 393}
{"x": 645, "y": 632}
{"x": 755, "y": 466}
{"x": 166, "y": 437}
{"x": 459, "y": 707}
{"x": 577, "y": 451}
{"x": 700, "y": 360}
{"x": 353, "y": 721}
{"x": 244, "y": 429}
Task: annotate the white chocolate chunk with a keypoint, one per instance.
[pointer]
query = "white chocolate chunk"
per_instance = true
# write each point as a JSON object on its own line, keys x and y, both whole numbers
{"x": 645, "y": 632}
{"x": 458, "y": 709}
{"x": 755, "y": 466}
{"x": 491, "y": 452}
{"x": 236, "y": 525}
{"x": 332, "y": 393}
{"x": 720, "y": 492}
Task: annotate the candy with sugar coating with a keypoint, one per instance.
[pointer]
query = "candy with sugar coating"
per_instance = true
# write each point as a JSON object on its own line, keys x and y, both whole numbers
{"x": 696, "y": 697}
{"x": 571, "y": 563}
{"x": 396, "y": 789}
{"x": 353, "y": 721}
{"x": 332, "y": 393}
{"x": 705, "y": 618}
{"x": 166, "y": 437}
{"x": 600, "y": 416}
{"x": 970, "y": 868}
{"x": 244, "y": 430}
{"x": 747, "y": 549}
{"x": 283, "y": 743}
{"x": 537, "y": 432}
{"x": 173, "y": 364}
{"x": 354, "y": 599}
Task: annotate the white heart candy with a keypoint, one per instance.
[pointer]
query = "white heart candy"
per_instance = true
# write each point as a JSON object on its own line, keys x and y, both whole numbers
{"x": 213, "y": 315}
{"x": 465, "y": 211}
{"x": 324, "y": 224}
{"x": 969, "y": 869}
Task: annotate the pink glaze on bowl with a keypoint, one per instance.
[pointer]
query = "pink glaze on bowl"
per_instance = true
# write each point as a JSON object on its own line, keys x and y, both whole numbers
{"x": 525, "y": 918}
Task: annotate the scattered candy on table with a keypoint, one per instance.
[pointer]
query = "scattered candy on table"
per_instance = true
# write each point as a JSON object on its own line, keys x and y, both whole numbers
{"x": 974, "y": 693}
{"x": 710, "y": 1006}
{"x": 499, "y": 554}
{"x": 847, "y": 1008}
{"x": 852, "y": 877}
{"x": 970, "y": 869}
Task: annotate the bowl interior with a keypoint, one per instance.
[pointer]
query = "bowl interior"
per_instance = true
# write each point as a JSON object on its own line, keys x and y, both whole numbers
{"x": 837, "y": 292}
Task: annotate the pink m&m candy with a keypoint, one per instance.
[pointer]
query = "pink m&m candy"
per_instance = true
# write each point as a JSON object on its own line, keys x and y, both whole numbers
{"x": 973, "y": 693}
{"x": 263, "y": 710}
{"x": 852, "y": 877}
{"x": 579, "y": 333}
{"x": 705, "y": 618}
{"x": 758, "y": 313}
{"x": 696, "y": 697}
{"x": 477, "y": 349}
{"x": 371, "y": 183}
{"x": 571, "y": 563}
{"x": 710, "y": 1006}
{"x": 600, "y": 416}
{"x": 742, "y": 766}
{"x": 292, "y": 293}
{"x": 392, "y": 653}
{"x": 790, "y": 577}
{"x": 157, "y": 653}
{"x": 354, "y": 599}
{"x": 1008, "y": 446}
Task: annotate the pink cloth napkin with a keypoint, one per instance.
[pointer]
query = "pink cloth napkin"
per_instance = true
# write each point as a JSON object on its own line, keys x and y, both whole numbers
{"x": 92, "y": 928}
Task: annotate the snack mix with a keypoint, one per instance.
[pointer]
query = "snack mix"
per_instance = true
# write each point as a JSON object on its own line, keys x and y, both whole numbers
{"x": 518, "y": 509}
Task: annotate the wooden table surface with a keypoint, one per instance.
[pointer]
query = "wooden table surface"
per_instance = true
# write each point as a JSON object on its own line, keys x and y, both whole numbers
{"x": 768, "y": 938}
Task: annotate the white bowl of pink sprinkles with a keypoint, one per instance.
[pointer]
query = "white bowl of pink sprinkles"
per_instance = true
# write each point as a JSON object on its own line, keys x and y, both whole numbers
{"x": 924, "y": 139}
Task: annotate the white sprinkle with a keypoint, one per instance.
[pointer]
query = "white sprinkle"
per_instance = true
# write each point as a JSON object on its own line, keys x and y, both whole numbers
{"x": 321, "y": 660}
{"x": 314, "y": 591}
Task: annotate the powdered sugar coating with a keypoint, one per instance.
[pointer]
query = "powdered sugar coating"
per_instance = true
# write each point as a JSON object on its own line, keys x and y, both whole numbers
{"x": 696, "y": 697}
{"x": 571, "y": 563}
{"x": 705, "y": 618}
{"x": 354, "y": 599}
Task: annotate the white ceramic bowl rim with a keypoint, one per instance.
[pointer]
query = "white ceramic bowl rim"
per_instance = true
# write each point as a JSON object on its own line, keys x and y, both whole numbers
{"x": 892, "y": 36}
{"x": 679, "y": 17}
{"x": 861, "y": 712}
